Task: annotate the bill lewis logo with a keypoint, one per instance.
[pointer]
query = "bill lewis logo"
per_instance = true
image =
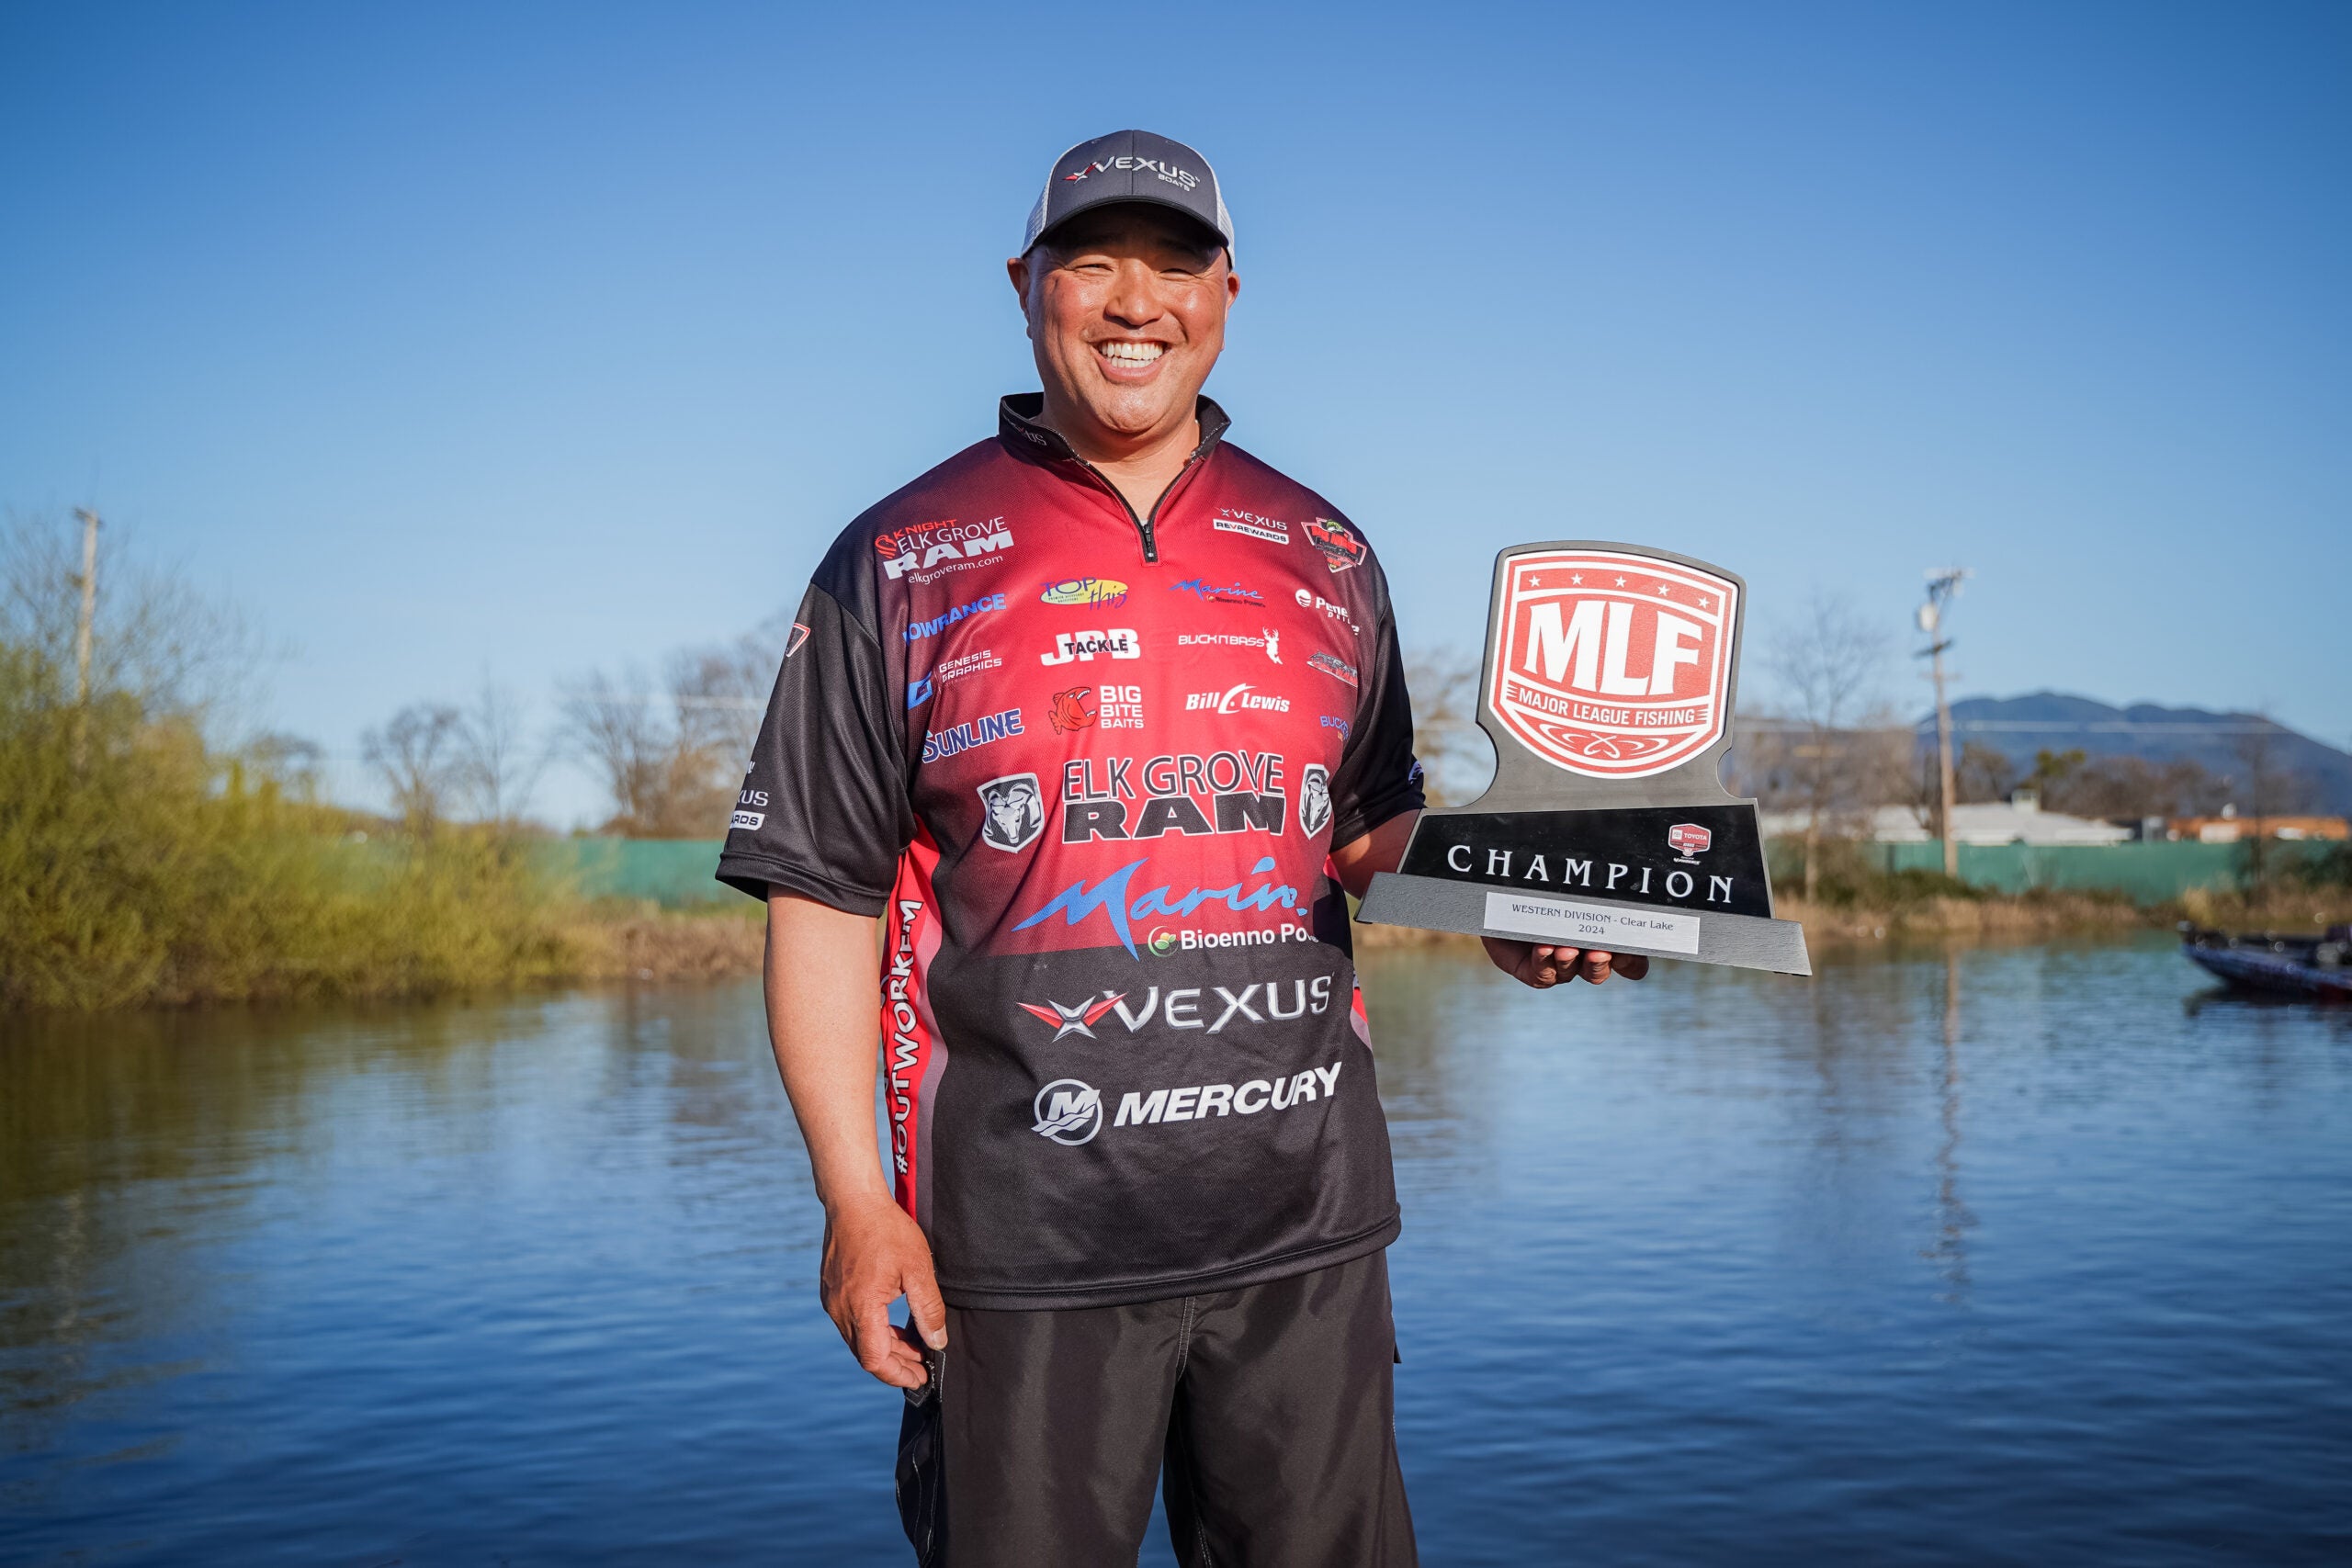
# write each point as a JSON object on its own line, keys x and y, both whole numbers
{"x": 1240, "y": 698}
{"x": 1084, "y": 591}
{"x": 1119, "y": 642}
{"x": 1068, "y": 1112}
{"x": 1612, "y": 665}
{"x": 925, "y": 545}
{"x": 1688, "y": 841}
{"x": 1232, "y": 594}
{"x": 1339, "y": 548}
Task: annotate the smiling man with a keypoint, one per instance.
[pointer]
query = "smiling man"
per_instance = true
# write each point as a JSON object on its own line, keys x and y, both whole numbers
{"x": 1099, "y": 717}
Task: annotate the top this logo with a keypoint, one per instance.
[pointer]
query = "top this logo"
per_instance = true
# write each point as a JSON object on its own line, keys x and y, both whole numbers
{"x": 1609, "y": 665}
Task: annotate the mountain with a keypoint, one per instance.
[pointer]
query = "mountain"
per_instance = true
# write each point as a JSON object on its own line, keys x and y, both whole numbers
{"x": 2019, "y": 727}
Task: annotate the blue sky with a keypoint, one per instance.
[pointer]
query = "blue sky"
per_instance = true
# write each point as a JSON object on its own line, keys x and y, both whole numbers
{"x": 527, "y": 339}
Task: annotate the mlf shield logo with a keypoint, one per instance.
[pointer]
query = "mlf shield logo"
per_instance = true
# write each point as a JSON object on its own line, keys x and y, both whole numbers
{"x": 1611, "y": 665}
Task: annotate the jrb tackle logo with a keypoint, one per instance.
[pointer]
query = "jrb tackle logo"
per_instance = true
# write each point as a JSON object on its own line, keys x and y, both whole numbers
{"x": 1084, "y": 591}
{"x": 1119, "y": 642}
{"x": 1688, "y": 841}
{"x": 1068, "y": 1112}
{"x": 1612, "y": 665}
{"x": 925, "y": 545}
{"x": 1340, "y": 548}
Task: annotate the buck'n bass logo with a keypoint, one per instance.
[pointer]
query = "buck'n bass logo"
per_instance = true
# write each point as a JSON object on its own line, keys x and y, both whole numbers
{"x": 1611, "y": 665}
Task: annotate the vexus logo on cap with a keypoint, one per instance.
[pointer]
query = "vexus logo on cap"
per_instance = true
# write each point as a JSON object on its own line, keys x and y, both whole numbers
{"x": 1129, "y": 165}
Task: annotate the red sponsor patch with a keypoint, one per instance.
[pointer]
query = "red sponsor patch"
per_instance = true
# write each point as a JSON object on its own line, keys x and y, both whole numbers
{"x": 1688, "y": 839}
{"x": 1068, "y": 709}
{"x": 1610, "y": 665}
{"x": 1342, "y": 549}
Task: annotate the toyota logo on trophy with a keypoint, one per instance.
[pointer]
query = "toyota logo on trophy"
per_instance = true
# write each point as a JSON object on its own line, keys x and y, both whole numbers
{"x": 1607, "y": 690}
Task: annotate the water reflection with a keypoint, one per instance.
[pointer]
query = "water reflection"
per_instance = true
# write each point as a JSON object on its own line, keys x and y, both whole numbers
{"x": 1945, "y": 1256}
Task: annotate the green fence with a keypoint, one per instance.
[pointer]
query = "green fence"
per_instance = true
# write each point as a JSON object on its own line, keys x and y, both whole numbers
{"x": 2146, "y": 872}
{"x": 669, "y": 872}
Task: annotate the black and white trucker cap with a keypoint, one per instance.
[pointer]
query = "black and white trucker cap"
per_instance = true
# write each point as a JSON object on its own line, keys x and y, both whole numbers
{"x": 1129, "y": 165}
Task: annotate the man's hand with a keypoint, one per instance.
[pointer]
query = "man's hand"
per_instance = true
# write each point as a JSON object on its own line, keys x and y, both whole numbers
{"x": 1542, "y": 967}
{"x": 875, "y": 1254}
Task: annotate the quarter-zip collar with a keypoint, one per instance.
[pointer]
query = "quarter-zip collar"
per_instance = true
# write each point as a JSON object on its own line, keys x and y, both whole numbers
{"x": 1019, "y": 429}
{"x": 1018, "y": 417}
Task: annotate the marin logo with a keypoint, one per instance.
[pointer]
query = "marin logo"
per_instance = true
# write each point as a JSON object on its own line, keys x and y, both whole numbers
{"x": 1084, "y": 591}
{"x": 1119, "y": 642}
{"x": 918, "y": 630}
{"x": 1269, "y": 640}
{"x": 1068, "y": 1112}
{"x": 1334, "y": 666}
{"x": 1181, "y": 1007}
{"x": 1342, "y": 549}
{"x": 1273, "y": 530}
{"x": 925, "y": 545}
{"x": 1069, "y": 709}
{"x": 1314, "y": 799}
{"x": 1013, "y": 812}
{"x": 1688, "y": 841}
{"x": 1202, "y": 588}
{"x": 1241, "y": 697}
{"x": 1612, "y": 665}
{"x": 1183, "y": 179}
{"x": 1243, "y": 791}
{"x": 1110, "y": 898}
{"x": 940, "y": 744}
{"x": 798, "y": 634}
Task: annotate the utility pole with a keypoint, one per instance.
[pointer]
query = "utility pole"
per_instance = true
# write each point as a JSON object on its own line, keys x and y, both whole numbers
{"x": 1942, "y": 586}
{"x": 82, "y": 633}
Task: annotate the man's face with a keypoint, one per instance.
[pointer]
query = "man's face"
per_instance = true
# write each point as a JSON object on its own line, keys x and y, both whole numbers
{"x": 1127, "y": 309}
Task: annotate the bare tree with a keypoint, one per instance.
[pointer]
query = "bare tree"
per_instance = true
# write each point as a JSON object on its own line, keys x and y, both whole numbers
{"x": 416, "y": 755}
{"x": 497, "y": 768}
{"x": 611, "y": 726}
{"x": 1828, "y": 667}
{"x": 1457, "y": 760}
{"x": 2264, "y": 785}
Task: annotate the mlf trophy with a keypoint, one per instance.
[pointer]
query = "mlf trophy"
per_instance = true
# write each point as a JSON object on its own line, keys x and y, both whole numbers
{"x": 1607, "y": 690}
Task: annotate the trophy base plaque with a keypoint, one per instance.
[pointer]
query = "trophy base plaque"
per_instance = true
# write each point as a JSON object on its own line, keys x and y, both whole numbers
{"x": 1607, "y": 690}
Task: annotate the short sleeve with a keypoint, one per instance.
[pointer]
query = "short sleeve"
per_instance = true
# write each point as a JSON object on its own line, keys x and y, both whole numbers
{"x": 1378, "y": 777}
{"x": 824, "y": 809}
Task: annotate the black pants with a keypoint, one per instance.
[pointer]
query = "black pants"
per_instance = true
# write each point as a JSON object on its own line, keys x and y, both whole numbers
{"x": 1270, "y": 1413}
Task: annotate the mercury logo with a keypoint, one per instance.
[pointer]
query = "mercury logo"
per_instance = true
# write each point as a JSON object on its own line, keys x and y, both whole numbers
{"x": 1068, "y": 1112}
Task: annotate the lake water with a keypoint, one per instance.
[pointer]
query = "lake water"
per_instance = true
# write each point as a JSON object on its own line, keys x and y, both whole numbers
{"x": 2018, "y": 1255}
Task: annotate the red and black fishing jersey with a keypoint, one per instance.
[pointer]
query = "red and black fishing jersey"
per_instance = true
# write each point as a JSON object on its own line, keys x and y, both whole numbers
{"x": 1090, "y": 767}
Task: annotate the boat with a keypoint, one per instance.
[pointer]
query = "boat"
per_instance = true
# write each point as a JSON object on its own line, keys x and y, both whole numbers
{"x": 2318, "y": 967}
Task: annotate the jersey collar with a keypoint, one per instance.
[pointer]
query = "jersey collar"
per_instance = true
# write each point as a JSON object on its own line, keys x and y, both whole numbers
{"x": 1017, "y": 427}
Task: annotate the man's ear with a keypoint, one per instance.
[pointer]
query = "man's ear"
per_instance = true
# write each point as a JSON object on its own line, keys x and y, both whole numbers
{"x": 1017, "y": 269}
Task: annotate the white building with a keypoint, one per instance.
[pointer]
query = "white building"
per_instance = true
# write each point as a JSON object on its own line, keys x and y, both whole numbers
{"x": 2017, "y": 820}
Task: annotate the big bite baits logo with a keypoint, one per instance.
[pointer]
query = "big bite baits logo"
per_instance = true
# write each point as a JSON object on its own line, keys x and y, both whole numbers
{"x": 1609, "y": 665}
